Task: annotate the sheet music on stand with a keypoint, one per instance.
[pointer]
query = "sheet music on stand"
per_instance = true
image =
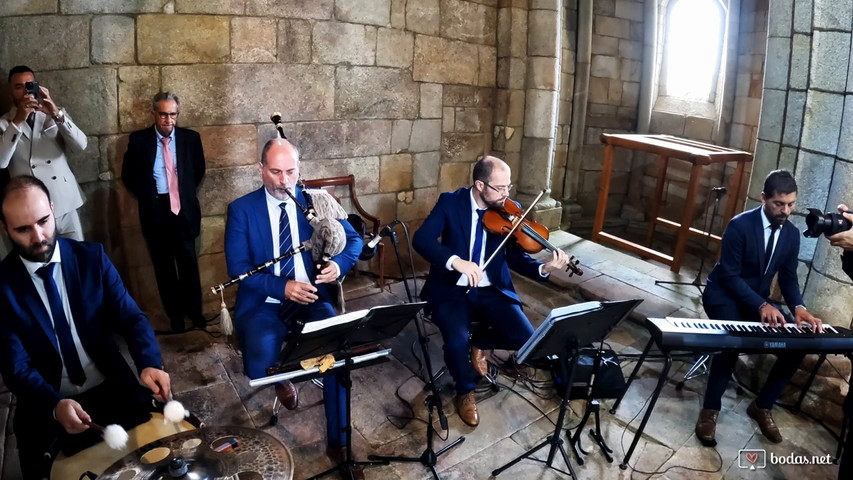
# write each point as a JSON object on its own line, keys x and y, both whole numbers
{"x": 597, "y": 317}
{"x": 348, "y": 330}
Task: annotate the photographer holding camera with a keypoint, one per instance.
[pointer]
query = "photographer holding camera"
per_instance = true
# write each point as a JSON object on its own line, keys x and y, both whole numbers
{"x": 35, "y": 136}
{"x": 842, "y": 236}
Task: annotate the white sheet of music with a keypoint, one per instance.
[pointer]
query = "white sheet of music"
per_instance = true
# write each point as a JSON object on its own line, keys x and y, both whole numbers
{"x": 332, "y": 321}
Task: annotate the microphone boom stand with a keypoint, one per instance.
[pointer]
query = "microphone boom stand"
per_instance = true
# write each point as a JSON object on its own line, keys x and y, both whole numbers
{"x": 429, "y": 457}
{"x": 697, "y": 282}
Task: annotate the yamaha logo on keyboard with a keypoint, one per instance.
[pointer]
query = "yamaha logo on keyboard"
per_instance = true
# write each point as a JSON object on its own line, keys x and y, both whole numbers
{"x": 775, "y": 344}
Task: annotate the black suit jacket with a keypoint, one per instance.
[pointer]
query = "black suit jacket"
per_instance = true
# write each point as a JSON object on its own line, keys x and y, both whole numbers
{"x": 738, "y": 277}
{"x": 137, "y": 173}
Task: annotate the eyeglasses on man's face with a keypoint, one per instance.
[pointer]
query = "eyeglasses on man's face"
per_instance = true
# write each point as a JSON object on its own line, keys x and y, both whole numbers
{"x": 499, "y": 188}
{"x": 165, "y": 115}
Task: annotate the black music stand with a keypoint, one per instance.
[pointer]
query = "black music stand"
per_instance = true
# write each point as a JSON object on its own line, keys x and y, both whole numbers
{"x": 353, "y": 330}
{"x": 592, "y": 393}
{"x": 561, "y": 335}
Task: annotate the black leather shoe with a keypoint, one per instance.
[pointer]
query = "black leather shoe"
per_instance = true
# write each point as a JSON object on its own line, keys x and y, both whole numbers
{"x": 765, "y": 422}
{"x": 706, "y": 427}
{"x": 287, "y": 395}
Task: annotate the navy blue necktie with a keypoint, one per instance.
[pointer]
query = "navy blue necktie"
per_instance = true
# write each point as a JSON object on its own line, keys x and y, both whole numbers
{"x": 60, "y": 325}
{"x": 478, "y": 238}
{"x": 285, "y": 243}
{"x": 768, "y": 252}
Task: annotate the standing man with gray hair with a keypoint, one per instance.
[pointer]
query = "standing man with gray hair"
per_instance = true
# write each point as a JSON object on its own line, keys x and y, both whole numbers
{"x": 35, "y": 137}
{"x": 162, "y": 168}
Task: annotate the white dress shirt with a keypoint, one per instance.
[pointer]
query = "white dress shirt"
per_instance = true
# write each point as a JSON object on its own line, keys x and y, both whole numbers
{"x": 299, "y": 272}
{"x": 463, "y": 279}
{"x": 765, "y": 223}
{"x": 93, "y": 376}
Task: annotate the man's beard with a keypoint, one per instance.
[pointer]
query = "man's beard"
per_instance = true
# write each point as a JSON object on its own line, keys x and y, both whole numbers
{"x": 777, "y": 220}
{"x": 33, "y": 253}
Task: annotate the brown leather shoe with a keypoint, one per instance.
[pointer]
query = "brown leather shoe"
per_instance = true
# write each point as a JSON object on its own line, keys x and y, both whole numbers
{"x": 466, "y": 407}
{"x": 287, "y": 395}
{"x": 706, "y": 427}
{"x": 478, "y": 359}
{"x": 765, "y": 422}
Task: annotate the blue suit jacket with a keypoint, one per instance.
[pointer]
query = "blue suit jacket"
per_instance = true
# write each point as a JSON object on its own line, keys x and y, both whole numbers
{"x": 450, "y": 220}
{"x": 248, "y": 243}
{"x": 29, "y": 354}
{"x": 738, "y": 278}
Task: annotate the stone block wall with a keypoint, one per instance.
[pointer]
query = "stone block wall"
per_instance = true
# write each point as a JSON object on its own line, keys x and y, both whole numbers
{"x": 399, "y": 93}
{"x": 614, "y": 86}
{"x": 805, "y": 126}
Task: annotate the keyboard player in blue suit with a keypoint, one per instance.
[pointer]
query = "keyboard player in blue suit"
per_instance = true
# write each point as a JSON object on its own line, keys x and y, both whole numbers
{"x": 757, "y": 245}
{"x": 447, "y": 238}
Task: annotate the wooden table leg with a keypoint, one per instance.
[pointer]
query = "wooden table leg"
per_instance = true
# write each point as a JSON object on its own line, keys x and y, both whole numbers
{"x": 603, "y": 191}
{"x": 734, "y": 193}
{"x": 686, "y": 217}
{"x": 663, "y": 163}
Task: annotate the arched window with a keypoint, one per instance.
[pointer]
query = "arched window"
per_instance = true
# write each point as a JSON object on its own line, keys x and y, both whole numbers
{"x": 693, "y": 49}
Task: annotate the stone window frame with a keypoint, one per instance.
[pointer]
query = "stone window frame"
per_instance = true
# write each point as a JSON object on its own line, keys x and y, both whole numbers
{"x": 710, "y": 107}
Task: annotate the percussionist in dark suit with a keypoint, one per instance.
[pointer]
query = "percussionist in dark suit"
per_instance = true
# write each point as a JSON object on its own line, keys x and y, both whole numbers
{"x": 757, "y": 245}
{"x": 61, "y": 304}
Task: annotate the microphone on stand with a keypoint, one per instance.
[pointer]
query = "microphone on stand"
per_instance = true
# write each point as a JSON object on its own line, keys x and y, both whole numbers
{"x": 367, "y": 252}
{"x": 386, "y": 231}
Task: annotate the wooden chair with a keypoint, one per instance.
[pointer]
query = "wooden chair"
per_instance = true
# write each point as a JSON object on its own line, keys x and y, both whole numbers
{"x": 375, "y": 224}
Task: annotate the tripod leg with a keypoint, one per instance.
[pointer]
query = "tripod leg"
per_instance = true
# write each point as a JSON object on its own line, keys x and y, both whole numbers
{"x": 523, "y": 456}
{"x": 575, "y": 439}
{"x": 599, "y": 438}
{"x": 568, "y": 463}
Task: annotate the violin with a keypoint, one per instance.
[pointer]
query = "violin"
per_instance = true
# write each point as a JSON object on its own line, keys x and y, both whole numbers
{"x": 531, "y": 236}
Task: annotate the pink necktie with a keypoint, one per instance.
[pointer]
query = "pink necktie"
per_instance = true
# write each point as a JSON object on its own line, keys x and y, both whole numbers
{"x": 171, "y": 177}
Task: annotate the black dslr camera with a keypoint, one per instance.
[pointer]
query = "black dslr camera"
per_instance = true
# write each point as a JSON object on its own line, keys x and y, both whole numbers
{"x": 829, "y": 223}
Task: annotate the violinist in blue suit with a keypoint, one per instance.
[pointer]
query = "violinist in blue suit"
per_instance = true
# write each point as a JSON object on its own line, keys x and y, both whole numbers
{"x": 261, "y": 226}
{"x": 456, "y": 244}
{"x": 757, "y": 245}
{"x": 61, "y": 302}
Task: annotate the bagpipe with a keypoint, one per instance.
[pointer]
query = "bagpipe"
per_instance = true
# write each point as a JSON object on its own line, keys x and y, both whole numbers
{"x": 328, "y": 237}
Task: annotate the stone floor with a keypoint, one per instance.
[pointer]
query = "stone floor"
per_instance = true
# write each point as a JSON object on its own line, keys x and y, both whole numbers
{"x": 207, "y": 376}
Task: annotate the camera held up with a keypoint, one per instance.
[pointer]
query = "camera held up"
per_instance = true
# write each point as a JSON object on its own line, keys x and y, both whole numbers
{"x": 829, "y": 223}
{"x": 32, "y": 88}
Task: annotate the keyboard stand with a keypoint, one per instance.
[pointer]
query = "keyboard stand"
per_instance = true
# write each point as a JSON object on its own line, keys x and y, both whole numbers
{"x": 661, "y": 379}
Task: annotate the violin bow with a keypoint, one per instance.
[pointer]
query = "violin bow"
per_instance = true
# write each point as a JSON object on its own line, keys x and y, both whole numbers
{"x": 511, "y": 231}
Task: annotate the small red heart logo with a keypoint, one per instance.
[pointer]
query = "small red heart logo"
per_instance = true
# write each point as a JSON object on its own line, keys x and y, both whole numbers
{"x": 752, "y": 457}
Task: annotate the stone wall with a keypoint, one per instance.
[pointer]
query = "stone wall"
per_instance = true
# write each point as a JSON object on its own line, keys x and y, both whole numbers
{"x": 806, "y": 122}
{"x": 399, "y": 93}
{"x": 614, "y": 86}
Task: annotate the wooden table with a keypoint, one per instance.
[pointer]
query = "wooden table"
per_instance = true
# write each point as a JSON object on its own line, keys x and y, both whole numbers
{"x": 666, "y": 146}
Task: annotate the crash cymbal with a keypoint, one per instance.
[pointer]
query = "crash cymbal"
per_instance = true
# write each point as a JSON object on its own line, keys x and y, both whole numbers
{"x": 206, "y": 453}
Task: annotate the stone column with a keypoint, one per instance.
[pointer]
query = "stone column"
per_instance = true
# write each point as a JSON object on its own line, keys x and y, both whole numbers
{"x": 540, "y": 113}
{"x": 571, "y": 208}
